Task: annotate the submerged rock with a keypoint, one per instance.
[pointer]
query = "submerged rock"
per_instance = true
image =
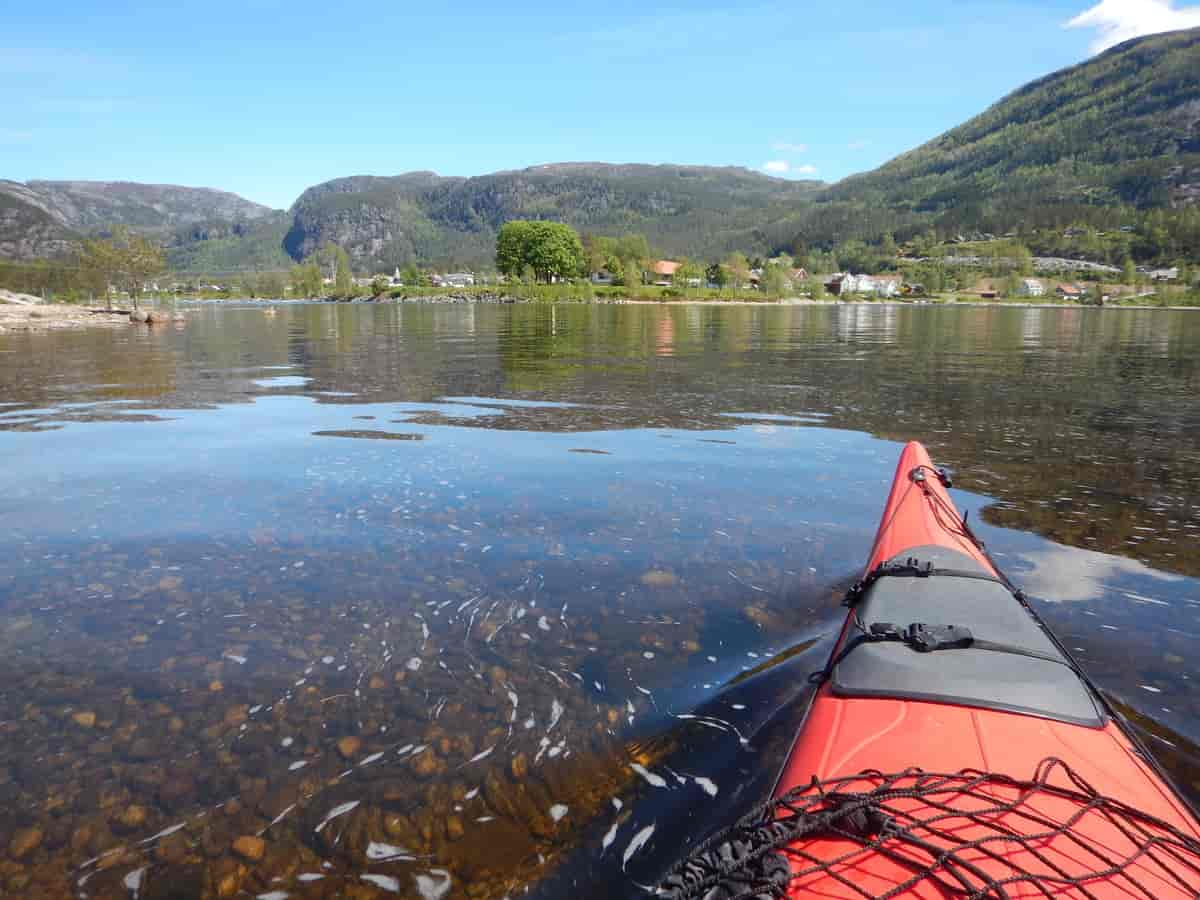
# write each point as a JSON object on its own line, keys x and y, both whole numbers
{"x": 659, "y": 578}
{"x": 25, "y": 841}
{"x": 85, "y": 719}
{"x": 250, "y": 847}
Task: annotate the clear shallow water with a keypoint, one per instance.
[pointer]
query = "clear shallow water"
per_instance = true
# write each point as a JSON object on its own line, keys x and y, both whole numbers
{"x": 425, "y": 592}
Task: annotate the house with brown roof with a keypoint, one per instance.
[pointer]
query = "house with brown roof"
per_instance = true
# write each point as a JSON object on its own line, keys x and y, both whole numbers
{"x": 664, "y": 272}
{"x": 1069, "y": 292}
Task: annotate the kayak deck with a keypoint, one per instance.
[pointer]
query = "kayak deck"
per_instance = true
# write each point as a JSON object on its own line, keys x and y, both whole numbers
{"x": 885, "y": 707}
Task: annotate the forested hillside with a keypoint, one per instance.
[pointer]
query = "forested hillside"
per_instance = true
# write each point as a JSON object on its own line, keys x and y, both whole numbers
{"x": 420, "y": 217}
{"x": 1112, "y": 142}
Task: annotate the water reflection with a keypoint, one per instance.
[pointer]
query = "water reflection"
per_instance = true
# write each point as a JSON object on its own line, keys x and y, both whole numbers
{"x": 469, "y": 600}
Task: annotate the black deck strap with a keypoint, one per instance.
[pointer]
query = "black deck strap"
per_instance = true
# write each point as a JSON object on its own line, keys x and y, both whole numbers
{"x": 911, "y": 568}
{"x": 925, "y": 638}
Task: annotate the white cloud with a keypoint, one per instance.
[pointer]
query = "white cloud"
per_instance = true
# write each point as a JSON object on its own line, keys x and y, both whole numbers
{"x": 784, "y": 147}
{"x": 1121, "y": 20}
{"x": 783, "y": 167}
{"x": 1062, "y": 574}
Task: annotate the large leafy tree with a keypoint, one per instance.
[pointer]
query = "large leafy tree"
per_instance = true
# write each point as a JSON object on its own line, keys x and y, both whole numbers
{"x": 512, "y": 247}
{"x": 550, "y": 249}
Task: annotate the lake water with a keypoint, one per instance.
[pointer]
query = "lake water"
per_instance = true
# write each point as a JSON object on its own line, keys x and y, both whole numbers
{"x": 432, "y": 600}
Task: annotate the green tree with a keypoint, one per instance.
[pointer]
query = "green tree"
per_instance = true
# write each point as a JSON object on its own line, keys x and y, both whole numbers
{"x": 1011, "y": 286}
{"x": 738, "y": 268}
{"x": 925, "y": 243}
{"x": 775, "y": 280}
{"x": 1128, "y": 272}
{"x": 411, "y": 276}
{"x": 143, "y": 260}
{"x": 551, "y": 250}
{"x": 688, "y": 272}
{"x": 931, "y": 275}
{"x": 512, "y": 247}
{"x": 306, "y": 280}
{"x": 1022, "y": 258}
{"x": 379, "y": 284}
{"x": 632, "y": 248}
{"x": 126, "y": 260}
{"x": 271, "y": 285}
{"x": 716, "y": 274}
{"x": 98, "y": 267}
{"x": 555, "y": 251}
{"x": 856, "y": 257}
{"x": 632, "y": 275}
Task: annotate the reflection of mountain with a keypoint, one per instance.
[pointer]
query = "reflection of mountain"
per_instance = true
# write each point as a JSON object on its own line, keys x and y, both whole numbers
{"x": 1080, "y": 423}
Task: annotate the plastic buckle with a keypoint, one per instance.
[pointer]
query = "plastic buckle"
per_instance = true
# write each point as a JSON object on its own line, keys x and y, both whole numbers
{"x": 928, "y": 638}
{"x": 886, "y": 631}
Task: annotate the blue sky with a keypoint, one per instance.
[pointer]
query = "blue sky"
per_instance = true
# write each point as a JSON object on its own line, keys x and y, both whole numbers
{"x": 265, "y": 98}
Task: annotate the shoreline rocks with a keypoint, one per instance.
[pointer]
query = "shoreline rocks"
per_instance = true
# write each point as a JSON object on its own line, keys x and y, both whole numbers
{"x": 45, "y": 317}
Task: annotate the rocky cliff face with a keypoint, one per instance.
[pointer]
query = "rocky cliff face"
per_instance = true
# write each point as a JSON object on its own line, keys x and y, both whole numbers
{"x": 46, "y": 218}
{"x": 27, "y": 230}
{"x": 92, "y": 205}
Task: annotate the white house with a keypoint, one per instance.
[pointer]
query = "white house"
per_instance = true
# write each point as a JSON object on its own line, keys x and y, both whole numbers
{"x": 879, "y": 285}
{"x": 1031, "y": 287}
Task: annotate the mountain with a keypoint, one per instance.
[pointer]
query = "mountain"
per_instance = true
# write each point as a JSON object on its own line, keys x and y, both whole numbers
{"x": 46, "y": 218}
{"x": 1113, "y": 143}
{"x": 689, "y": 210}
{"x": 1120, "y": 130}
{"x": 27, "y": 229}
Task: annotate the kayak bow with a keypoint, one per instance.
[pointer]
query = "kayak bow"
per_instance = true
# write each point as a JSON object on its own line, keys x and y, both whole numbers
{"x": 952, "y": 748}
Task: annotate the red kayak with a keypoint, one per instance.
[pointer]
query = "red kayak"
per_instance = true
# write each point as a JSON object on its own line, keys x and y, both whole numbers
{"x": 952, "y": 748}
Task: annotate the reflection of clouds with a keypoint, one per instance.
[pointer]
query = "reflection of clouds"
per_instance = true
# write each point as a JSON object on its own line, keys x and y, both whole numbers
{"x": 1068, "y": 573}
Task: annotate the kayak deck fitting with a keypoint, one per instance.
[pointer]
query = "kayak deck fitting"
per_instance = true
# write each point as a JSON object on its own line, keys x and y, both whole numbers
{"x": 952, "y": 748}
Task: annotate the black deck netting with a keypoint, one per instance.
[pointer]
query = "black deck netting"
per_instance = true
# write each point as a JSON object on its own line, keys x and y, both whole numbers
{"x": 968, "y": 834}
